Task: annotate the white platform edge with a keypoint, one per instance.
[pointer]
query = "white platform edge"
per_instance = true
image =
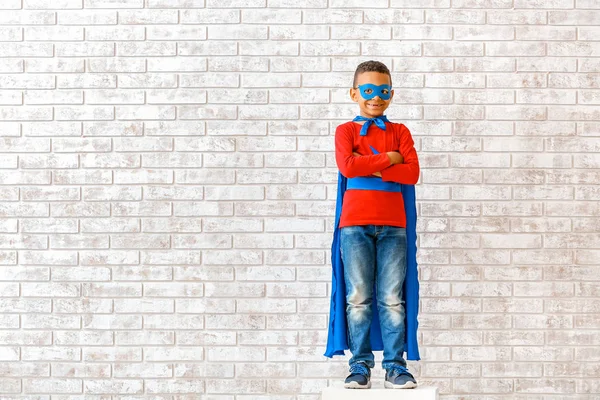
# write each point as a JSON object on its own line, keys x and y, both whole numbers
{"x": 378, "y": 392}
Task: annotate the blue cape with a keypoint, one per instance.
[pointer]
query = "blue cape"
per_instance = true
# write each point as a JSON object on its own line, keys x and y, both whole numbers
{"x": 337, "y": 340}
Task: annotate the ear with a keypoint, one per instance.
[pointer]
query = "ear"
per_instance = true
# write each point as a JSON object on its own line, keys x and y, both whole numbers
{"x": 353, "y": 95}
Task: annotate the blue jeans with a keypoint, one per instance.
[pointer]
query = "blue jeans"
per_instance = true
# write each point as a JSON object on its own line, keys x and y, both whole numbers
{"x": 374, "y": 255}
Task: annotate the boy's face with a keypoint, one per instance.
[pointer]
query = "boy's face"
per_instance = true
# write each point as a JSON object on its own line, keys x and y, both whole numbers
{"x": 374, "y": 107}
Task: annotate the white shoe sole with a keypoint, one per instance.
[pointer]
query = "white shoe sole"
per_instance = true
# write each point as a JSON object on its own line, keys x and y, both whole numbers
{"x": 407, "y": 385}
{"x": 356, "y": 385}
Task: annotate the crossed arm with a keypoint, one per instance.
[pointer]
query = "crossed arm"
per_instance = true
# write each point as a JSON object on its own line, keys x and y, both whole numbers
{"x": 398, "y": 157}
{"x": 400, "y": 166}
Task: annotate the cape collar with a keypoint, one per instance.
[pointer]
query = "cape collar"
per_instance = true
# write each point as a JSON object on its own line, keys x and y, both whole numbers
{"x": 379, "y": 121}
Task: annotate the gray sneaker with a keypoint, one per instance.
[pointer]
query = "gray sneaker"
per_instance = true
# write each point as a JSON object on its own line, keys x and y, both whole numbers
{"x": 359, "y": 378}
{"x": 398, "y": 377}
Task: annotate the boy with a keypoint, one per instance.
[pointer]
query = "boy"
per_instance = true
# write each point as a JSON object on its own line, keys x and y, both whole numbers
{"x": 374, "y": 246}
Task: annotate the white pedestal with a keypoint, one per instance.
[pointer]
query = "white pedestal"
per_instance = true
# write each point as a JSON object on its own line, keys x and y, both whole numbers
{"x": 378, "y": 392}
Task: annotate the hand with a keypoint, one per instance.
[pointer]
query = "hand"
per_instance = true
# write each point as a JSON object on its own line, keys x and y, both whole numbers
{"x": 395, "y": 157}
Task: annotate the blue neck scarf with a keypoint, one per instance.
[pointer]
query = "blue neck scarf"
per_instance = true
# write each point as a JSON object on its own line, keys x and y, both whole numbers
{"x": 379, "y": 121}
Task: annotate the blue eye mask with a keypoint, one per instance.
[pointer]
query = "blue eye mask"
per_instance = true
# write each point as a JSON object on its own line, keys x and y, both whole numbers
{"x": 383, "y": 91}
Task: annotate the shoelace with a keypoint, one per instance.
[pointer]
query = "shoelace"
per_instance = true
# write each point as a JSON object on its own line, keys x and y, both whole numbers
{"x": 399, "y": 369}
{"x": 359, "y": 368}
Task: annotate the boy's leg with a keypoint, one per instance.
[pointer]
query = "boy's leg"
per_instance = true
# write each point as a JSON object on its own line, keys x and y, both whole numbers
{"x": 391, "y": 271}
{"x": 358, "y": 254}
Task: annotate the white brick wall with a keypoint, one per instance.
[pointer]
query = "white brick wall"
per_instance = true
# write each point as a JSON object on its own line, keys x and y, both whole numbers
{"x": 168, "y": 188}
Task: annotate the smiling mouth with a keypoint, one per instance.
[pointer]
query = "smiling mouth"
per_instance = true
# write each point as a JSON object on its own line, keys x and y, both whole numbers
{"x": 375, "y": 105}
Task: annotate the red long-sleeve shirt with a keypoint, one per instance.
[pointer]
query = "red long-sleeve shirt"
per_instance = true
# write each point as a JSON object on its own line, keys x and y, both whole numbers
{"x": 376, "y": 207}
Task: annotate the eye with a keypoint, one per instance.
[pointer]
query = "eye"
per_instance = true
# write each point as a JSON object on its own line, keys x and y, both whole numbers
{"x": 368, "y": 90}
{"x": 385, "y": 91}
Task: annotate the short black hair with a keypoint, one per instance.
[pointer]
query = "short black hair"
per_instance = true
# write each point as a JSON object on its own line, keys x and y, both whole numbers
{"x": 371, "y": 66}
